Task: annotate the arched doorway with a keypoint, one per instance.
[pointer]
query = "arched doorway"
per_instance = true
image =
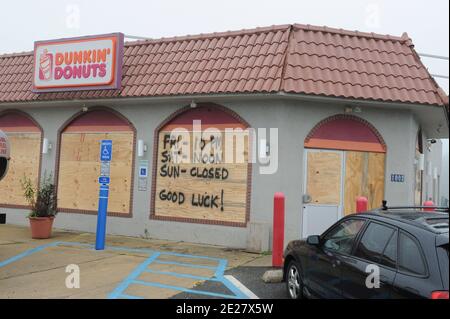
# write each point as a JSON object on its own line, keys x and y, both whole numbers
{"x": 193, "y": 179}
{"x": 345, "y": 158}
{"x": 25, "y": 138}
{"x": 78, "y": 166}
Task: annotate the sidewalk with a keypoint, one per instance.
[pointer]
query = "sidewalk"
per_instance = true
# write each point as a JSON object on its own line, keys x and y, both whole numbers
{"x": 129, "y": 267}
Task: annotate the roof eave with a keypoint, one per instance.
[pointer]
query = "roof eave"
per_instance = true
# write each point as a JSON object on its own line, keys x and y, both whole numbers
{"x": 202, "y": 97}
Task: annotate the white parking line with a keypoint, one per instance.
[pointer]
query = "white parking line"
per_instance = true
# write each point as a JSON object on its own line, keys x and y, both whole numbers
{"x": 241, "y": 287}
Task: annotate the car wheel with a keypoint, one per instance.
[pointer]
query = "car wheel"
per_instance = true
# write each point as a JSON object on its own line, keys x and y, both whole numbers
{"x": 293, "y": 281}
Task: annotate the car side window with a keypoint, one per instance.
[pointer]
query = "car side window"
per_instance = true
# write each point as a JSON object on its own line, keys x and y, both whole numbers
{"x": 389, "y": 257}
{"x": 341, "y": 238}
{"x": 373, "y": 242}
{"x": 409, "y": 256}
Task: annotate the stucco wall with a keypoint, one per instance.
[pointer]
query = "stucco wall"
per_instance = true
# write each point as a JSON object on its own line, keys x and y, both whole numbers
{"x": 294, "y": 119}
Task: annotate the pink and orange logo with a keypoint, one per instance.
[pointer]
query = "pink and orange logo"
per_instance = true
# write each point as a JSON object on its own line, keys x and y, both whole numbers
{"x": 77, "y": 64}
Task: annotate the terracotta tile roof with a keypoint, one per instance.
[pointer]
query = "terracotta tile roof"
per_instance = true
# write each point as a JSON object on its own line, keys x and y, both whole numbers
{"x": 287, "y": 58}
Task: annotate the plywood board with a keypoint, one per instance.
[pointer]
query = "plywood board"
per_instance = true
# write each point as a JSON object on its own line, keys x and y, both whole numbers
{"x": 355, "y": 172}
{"x": 220, "y": 185}
{"x": 324, "y": 177}
{"x": 25, "y": 157}
{"x": 79, "y": 170}
{"x": 364, "y": 176}
{"x": 376, "y": 179}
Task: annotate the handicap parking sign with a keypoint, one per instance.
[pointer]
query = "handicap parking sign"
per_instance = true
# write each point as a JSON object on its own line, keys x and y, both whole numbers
{"x": 104, "y": 180}
{"x": 106, "y": 151}
{"x": 143, "y": 172}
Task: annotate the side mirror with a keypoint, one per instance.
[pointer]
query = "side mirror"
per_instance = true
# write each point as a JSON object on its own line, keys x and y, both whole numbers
{"x": 313, "y": 240}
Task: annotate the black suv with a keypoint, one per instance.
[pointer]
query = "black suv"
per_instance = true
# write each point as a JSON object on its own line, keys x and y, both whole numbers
{"x": 389, "y": 253}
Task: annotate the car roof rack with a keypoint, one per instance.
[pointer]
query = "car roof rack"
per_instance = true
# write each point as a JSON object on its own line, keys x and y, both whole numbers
{"x": 439, "y": 209}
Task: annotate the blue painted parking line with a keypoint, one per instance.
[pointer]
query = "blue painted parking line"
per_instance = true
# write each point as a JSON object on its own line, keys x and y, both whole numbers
{"x": 191, "y": 256}
{"x": 220, "y": 272}
{"x": 26, "y": 253}
{"x": 132, "y": 278}
{"x": 175, "y": 274}
{"x": 120, "y": 289}
{"x": 125, "y": 296}
{"x": 221, "y": 268}
{"x": 127, "y": 249}
{"x": 176, "y": 263}
{"x": 218, "y": 277}
{"x": 197, "y": 292}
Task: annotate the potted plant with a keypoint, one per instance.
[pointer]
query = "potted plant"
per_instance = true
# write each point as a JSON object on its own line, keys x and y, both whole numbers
{"x": 42, "y": 200}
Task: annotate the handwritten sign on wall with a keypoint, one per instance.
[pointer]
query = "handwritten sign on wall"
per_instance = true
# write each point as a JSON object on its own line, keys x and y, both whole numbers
{"x": 192, "y": 183}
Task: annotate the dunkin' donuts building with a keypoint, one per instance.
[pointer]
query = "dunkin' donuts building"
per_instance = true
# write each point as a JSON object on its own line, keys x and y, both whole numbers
{"x": 322, "y": 115}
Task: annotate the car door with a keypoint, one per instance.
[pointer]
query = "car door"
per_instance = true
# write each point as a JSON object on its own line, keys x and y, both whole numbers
{"x": 323, "y": 269}
{"x": 369, "y": 272}
{"x": 412, "y": 280}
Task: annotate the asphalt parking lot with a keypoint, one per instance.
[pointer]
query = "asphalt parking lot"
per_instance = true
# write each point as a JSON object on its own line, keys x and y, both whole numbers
{"x": 128, "y": 268}
{"x": 250, "y": 277}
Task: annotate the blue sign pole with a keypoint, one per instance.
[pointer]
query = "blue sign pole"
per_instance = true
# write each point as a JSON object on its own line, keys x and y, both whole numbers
{"x": 105, "y": 158}
{"x": 101, "y": 217}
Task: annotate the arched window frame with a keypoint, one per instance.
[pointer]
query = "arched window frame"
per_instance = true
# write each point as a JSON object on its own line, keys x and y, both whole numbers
{"x": 41, "y": 131}
{"x": 338, "y": 117}
{"x": 58, "y": 158}
{"x": 157, "y": 130}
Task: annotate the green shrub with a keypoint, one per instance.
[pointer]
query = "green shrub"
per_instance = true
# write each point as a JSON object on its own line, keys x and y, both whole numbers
{"x": 42, "y": 199}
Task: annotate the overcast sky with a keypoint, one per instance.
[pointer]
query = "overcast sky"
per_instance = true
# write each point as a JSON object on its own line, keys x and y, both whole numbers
{"x": 23, "y": 22}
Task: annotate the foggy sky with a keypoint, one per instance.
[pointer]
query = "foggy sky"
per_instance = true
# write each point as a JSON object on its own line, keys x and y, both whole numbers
{"x": 23, "y": 22}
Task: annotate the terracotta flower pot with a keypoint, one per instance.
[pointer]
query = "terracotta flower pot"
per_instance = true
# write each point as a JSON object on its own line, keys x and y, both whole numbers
{"x": 41, "y": 227}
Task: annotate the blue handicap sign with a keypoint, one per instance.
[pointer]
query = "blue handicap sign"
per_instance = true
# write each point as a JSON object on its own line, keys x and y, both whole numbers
{"x": 104, "y": 180}
{"x": 106, "y": 150}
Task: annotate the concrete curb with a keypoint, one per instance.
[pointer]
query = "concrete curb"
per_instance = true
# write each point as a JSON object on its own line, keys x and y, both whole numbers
{"x": 273, "y": 276}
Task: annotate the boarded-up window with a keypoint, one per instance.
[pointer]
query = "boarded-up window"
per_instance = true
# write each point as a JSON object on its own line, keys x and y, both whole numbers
{"x": 79, "y": 164}
{"x": 25, "y": 139}
{"x": 202, "y": 174}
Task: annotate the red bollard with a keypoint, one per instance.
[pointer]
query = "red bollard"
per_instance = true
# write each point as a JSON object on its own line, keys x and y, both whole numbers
{"x": 361, "y": 204}
{"x": 428, "y": 203}
{"x": 278, "y": 230}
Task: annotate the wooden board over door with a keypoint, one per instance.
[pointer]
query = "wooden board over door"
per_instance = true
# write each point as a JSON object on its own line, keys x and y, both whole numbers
{"x": 364, "y": 176}
{"x": 324, "y": 177}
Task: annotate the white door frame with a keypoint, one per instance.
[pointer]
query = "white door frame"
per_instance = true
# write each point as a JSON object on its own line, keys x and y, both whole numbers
{"x": 305, "y": 183}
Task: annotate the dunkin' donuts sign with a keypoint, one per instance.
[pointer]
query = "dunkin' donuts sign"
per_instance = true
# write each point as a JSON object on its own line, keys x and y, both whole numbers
{"x": 86, "y": 63}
